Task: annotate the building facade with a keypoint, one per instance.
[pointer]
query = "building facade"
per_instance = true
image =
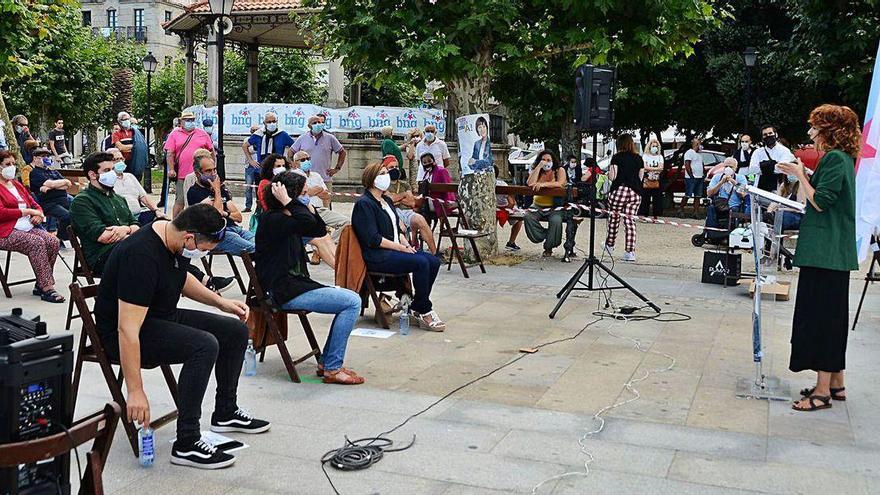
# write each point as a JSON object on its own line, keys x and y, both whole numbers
{"x": 139, "y": 21}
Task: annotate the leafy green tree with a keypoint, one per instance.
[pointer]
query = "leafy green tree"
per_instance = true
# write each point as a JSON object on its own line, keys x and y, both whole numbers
{"x": 467, "y": 43}
{"x": 166, "y": 95}
{"x": 24, "y": 24}
{"x": 283, "y": 76}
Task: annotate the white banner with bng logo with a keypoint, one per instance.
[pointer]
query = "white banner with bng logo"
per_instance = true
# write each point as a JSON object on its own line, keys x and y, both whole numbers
{"x": 293, "y": 118}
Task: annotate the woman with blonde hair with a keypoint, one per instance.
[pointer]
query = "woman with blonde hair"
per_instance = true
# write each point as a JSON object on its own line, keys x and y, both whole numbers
{"x": 652, "y": 193}
{"x": 826, "y": 253}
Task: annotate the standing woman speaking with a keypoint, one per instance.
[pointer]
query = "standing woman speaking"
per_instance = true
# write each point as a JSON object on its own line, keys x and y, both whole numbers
{"x": 826, "y": 253}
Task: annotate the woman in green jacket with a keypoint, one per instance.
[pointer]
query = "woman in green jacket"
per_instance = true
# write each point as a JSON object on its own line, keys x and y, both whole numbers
{"x": 826, "y": 253}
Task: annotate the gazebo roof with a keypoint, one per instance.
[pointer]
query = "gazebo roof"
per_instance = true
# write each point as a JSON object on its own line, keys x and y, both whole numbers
{"x": 261, "y": 22}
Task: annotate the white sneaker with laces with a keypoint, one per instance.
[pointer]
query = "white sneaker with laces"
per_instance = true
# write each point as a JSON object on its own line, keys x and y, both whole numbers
{"x": 628, "y": 256}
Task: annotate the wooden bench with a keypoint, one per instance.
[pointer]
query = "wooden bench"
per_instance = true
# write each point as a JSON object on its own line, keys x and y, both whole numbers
{"x": 556, "y": 192}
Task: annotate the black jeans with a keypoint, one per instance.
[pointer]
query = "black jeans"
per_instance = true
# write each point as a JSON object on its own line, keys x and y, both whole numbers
{"x": 200, "y": 341}
{"x": 59, "y": 209}
{"x": 651, "y": 198}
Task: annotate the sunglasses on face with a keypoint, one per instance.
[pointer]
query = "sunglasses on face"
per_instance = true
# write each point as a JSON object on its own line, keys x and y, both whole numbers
{"x": 305, "y": 159}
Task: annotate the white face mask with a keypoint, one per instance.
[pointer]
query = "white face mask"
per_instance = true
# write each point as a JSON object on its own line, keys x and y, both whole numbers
{"x": 745, "y": 146}
{"x": 108, "y": 179}
{"x": 278, "y": 170}
{"x": 272, "y": 127}
{"x": 194, "y": 254}
{"x": 382, "y": 182}
{"x": 655, "y": 150}
{"x": 547, "y": 165}
{"x": 9, "y": 172}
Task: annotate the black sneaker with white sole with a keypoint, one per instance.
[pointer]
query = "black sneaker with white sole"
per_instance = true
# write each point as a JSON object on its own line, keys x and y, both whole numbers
{"x": 200, "y": 454}
{"x": 239, "y": 421}
{"x": 220, "y": 284}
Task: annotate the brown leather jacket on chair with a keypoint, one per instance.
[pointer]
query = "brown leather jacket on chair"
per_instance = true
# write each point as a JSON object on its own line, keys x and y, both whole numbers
{"x": 350, "y": 266}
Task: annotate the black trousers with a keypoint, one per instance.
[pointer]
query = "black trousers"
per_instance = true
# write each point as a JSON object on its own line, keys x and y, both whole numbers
{"x": 200, "y": 341}
{"x": 651, "y": 198}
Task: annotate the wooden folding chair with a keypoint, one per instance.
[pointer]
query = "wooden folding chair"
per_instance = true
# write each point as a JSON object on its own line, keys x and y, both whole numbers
{"x": 261, "y": 300}
{"x": 4, "y": 278}
{"x": 92, "y": 350}
{"x": 376, "y": 283}
{"x": 208, "y": 263}
{"x": 81, "y": 269}
{"x": 99, "y": 426}
{"x": 453, "y": 233}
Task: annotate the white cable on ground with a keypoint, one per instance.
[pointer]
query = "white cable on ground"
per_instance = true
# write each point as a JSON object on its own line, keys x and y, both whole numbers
{"x": 629, "y": 386}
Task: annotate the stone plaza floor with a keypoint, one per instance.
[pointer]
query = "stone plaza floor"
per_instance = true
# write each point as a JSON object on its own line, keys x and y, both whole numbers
{"x": 688, "y": 433}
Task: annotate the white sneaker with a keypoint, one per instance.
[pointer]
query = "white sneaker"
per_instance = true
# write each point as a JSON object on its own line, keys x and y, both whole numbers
{"x": 628, "y": 256}
{"x": 608, "y": 249}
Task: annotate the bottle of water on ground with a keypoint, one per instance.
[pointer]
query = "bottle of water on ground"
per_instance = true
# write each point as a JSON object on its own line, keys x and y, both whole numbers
{"x": 250, "y": 359}
{"x": 404, "y": 314}
{"x": 146, "y": 447}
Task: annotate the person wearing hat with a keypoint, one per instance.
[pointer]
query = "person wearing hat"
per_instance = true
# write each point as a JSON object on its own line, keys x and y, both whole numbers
{"x": 50, "y": 189}
{"x": 181, "y": 144}
{"x": 208, "y": 126}
{"x": 389, "y": 147}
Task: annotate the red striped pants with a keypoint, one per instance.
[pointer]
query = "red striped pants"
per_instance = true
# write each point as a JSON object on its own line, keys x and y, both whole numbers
{"x": 623, "y": 200}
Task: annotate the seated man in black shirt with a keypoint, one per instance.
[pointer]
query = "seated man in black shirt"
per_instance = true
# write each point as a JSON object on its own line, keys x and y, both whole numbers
{"x": 137, "y": 317}
{"x": 208, "y": 189}
{"x": 50, "y": 189}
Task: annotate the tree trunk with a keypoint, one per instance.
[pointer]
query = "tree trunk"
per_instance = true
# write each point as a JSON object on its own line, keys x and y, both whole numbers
{"x": 476, "y": 192}
{"x": 91, "y": 133}
{"x": 570, "y": 138}
{"x": 9, "y": 132}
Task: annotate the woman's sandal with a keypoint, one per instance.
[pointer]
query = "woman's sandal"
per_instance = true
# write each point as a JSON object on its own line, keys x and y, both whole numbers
{"x": 825, "y": 403}
{"x": 430, "y": 321}
{"x": 52, "y": 296}
{"x": 320, "y": 371}
{"x": 835, "y": 393}
{"x": 342, "y": 376}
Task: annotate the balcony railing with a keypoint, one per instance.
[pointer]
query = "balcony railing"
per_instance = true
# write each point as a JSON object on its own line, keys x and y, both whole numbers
{"x": 133, "y": 33}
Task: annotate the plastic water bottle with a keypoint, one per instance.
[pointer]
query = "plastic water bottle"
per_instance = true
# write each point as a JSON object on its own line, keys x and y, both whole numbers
{"x": 250, "y": 359}
{"x": 404, "y": 315}
{"x": 146, "y": 446}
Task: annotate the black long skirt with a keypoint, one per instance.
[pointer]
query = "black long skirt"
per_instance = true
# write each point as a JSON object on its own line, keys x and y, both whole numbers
{"x": 821, "y": 321}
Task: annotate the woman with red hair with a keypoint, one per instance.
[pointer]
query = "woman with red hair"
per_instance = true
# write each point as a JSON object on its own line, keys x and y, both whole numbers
{"x": 826, "y": 253}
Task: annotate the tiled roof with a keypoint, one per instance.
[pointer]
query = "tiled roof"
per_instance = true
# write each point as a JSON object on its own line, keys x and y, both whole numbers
{"x": 242, "y": 6}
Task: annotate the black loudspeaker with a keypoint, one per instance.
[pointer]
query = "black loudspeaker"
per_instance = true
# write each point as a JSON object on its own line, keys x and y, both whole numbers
{"x": 718, "y": 267}
{"x": 594, "y": 98}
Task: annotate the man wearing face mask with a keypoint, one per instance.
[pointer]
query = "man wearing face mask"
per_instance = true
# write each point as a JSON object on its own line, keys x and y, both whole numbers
{"x": 320, "y": 145}
{"x": 209, "y": 190}
{"x": 22, "y": 134}
{"x": 764, "y": 159}
{"x": 435, "y": 146}
{"x": 50, "y": 189}
{"x": 181, "y": 145}
{"x": 102, "y": 218}
{"x": 252, "y": 168}
{"x": 318, "y": 194}
{"x": 131, "y": 190}
{"x": 123, "y": 139}
{"x": 743, "y": 154}
{"x": 722, "y": 191}
{"x": 140, "y": 325}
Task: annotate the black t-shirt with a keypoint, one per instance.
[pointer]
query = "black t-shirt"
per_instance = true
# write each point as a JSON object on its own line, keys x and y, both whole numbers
{"x": 139, "y": 271}
{"x": 197, "y": 193}
{"x": 39, "y": 176}
{"x": 57, "y": 137}
{"x": 628, "y": 166}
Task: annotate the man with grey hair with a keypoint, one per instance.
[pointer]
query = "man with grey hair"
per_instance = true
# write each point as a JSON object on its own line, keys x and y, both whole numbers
{"x": 267, "y": 140}
{"x": 123, "y": 139}
{"x": 321, "y": 145}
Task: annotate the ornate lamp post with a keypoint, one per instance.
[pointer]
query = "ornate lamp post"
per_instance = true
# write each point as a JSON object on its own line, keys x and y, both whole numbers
{"x": 150, "y": 65}
{"x": 750, "y": 57}
{"x": 221, "y": 10}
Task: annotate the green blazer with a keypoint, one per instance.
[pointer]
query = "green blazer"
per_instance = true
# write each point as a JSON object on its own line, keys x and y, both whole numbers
{"x": 827, "y": 238}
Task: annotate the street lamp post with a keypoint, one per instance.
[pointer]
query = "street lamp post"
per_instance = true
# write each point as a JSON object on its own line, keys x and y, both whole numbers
{"x": 750, "y": 56}
{"x": 221, "y": 10}
{"x": 150, "y": 64}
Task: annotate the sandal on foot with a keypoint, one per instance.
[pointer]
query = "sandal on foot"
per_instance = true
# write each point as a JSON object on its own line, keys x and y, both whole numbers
{"x": 52, "y": 296}
{"x": 320, "y": 371}
{"x": 824, "y": 403}
{"x": 835, "y": 393}
{"x": 430, "y": 321}
{"x": 37, "y": 290}
{"x": 342, "y": 376}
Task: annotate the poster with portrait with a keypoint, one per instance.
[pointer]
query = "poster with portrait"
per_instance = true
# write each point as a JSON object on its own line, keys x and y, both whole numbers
{"x": 474, "y": 146}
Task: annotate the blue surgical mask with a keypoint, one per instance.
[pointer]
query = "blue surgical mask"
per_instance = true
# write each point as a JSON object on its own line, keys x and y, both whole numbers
{"x": 189, "y": 125}
{"x": 792, "y": 178}
{"x": 429, "y": 136}
{"x": 208, "y": 178}
{"x": 317, "y": 128}
{"x": 47, "y": 162}
{"x": 305, "y": 166}
{"x": 304, "y": 199}
{"x": 107, "y": 179}
{"x": 272, "y": 127}
{"x": 209, "y": 129}
{"x": 19, "y": 129}
{"x": 119, "y": 167}
{"x": 126, "y": 124}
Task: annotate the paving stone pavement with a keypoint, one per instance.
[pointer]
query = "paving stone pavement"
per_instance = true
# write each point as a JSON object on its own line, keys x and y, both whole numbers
{"x": 506, "y": 433}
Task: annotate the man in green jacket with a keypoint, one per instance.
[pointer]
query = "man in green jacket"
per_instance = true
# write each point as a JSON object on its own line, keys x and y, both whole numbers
{"x": 101, "y": 219}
